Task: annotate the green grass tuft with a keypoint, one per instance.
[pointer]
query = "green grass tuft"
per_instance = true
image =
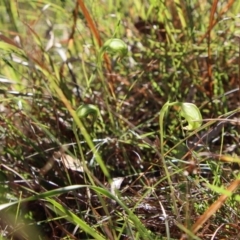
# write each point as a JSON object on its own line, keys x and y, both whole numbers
{"x": 84, "y": 86}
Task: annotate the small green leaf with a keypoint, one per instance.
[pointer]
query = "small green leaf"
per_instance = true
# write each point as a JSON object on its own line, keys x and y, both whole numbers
{"x": 115, "y": 46}
{"x": 192, "y": 114}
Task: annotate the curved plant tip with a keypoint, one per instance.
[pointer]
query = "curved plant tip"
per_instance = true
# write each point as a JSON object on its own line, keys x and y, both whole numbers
{"x": 88, "y": 109}
{"x": 192, "y": 114}
{"x": 115, "y": 46}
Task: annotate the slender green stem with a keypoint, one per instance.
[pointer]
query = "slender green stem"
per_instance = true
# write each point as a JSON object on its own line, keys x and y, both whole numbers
{"x": 161, "y": 117}
{"x": 194, "y": 118}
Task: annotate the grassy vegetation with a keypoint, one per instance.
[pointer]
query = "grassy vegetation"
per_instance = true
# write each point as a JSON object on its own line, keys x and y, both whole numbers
{"x": 92, "y": 146}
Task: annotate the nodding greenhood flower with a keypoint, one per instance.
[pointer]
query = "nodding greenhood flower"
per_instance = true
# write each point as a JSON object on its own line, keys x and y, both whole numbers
{"x": 115, "y": 46}
{"x": 88, "y": 109}
{"x": 192, "y": 114}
